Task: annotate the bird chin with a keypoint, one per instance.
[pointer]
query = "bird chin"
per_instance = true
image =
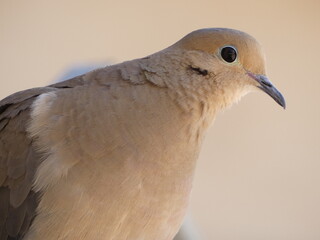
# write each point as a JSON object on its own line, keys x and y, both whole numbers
{"x": 240, "y": 93}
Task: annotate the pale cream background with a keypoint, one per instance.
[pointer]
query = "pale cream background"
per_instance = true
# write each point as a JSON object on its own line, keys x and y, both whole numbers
{"x": 258, "y": 175}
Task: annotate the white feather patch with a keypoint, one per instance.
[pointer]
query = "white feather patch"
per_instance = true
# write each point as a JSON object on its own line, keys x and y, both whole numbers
{"x": 42, "y": 126}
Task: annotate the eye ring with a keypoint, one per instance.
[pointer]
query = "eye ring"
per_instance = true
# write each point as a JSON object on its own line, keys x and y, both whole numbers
{"x": 229, "y": 54}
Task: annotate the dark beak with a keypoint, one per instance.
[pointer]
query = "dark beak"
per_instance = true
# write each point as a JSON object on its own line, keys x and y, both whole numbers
{"x": 266, "y": 86}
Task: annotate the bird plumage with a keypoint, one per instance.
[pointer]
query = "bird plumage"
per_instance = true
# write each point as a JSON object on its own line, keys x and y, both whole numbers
{"x": 111, "y": 154}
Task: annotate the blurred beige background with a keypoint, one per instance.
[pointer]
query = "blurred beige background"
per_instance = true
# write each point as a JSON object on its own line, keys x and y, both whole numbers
{"x": 258, "y": 175}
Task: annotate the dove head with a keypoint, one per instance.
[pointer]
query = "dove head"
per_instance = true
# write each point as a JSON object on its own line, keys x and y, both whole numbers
{"x": 232, "y": 61}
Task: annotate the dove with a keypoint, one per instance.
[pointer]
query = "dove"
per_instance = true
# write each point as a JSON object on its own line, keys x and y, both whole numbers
{"x": 111, "y": 154}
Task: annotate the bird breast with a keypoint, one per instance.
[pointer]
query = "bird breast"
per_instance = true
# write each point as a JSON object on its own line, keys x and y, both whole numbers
{"x": 103, "y": 179}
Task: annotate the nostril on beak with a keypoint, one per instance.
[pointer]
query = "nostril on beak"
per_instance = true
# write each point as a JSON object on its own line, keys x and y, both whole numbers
{"x": 268, "y": 84}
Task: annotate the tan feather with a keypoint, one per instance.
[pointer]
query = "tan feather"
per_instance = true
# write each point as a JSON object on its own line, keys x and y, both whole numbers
{"x": 111, "y": 154}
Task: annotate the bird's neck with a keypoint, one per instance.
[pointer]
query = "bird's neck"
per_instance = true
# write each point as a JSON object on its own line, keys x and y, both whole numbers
{"x": 182, "y": 96}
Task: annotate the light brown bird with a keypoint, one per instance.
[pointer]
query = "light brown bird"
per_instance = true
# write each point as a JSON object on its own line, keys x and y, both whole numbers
{"x": 111, "y": 154}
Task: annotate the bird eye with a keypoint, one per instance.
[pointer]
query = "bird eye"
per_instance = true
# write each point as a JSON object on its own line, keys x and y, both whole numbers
{"x": 229, "y": 54}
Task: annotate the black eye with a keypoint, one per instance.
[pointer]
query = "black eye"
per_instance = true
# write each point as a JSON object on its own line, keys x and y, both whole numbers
{"x": 229, "y": 54}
